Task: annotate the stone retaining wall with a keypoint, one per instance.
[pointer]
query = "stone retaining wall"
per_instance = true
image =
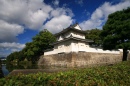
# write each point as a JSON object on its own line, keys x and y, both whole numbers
{"x": 80, "y": 59}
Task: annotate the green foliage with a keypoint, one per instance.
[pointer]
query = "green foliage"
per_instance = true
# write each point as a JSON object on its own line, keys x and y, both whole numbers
{"x": 13, "y": 57}
{"x": 40, "y": 43}
{"x": 94, "y": 35}
{"x": 34, "y": 49}
{"x": 117, "y": 75}
{"x": 116, "y": 31}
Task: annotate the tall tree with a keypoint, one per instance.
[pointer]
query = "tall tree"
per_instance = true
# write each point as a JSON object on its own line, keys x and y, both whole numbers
{"x": 40, "y": 43}
{"x": 116, "y": 32}
{"x": 94, "y": 35}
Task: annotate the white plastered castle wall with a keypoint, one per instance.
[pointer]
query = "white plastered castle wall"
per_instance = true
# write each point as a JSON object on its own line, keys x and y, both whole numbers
{"x": 79, "y": 46}
{"x": 64, "y": 47}
{"x": 75, "y": 46}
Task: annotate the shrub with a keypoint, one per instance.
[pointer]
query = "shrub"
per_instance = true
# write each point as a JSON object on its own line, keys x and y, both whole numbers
{"x": 117, "y": 75}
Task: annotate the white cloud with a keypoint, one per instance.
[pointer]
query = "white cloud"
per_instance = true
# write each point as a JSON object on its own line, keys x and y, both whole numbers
{"x": 56, "y": 2}
{"x": 36, "y": 20}
{"x": 8, "y": 31}
{"x": 16, "y": 15}
{"x": 61, "y": 11}
{"x": 12, "y": 45}
{"x": 60, "y": 18}
{"x": 6, "y": 48}
{"x": 57, "y": 12}
{"x": 99, "y": 16}
{"x": 31, "y": 13}
{"x": 57, "y": 24}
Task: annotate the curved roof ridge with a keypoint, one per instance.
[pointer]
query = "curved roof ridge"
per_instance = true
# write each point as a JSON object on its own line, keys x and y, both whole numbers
{"x": 71, "y": 27}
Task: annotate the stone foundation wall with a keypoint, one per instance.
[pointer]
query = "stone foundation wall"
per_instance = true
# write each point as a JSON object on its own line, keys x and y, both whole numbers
{"x": 80, "y": 59}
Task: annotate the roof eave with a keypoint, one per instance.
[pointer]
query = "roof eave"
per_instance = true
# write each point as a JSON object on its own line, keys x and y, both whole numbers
{"x": 83, "y": 40}
{"x": 68, "y": 29}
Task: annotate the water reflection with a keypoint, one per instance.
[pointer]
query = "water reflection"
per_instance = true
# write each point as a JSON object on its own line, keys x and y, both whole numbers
{"x": 5, "y": 69}
{"x": 11, "y": 67}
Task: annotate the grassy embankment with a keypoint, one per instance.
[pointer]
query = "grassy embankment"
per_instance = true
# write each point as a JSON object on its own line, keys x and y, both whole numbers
{"x": 116, "y": 75}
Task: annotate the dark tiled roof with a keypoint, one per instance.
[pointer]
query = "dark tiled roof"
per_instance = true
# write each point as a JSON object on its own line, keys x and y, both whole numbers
{"x": 73, "y": 38}
{"x": 70, "y": 28}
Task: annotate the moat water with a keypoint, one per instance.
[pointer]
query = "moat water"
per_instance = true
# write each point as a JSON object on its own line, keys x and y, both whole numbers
{"x": 6, "y": 69}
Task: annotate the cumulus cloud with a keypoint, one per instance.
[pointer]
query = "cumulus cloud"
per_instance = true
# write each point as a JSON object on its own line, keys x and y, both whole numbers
{"x": 15, "y": 15}
{"x": 12, "y": 45}
{"x": 31, "y": 14}
{"x": 99, "y": 16}
{"x": 6, "y": 48}
{"x": 61, "y": 11}
{"x": 18, "y": 15}
{"x": 60, "y": 18}
{"x": 8, "y": 31}
{"x": 57, "y": 24}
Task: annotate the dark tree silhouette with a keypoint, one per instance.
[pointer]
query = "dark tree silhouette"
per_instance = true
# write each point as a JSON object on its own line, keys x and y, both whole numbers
{"x": 116, "y": 32}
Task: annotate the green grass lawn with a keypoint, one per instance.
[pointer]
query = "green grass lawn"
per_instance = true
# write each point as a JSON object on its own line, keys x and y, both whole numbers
{"x": 116, "y": 75}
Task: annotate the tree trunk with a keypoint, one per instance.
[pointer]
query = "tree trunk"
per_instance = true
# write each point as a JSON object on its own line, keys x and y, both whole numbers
{"x": 124, "y": 55}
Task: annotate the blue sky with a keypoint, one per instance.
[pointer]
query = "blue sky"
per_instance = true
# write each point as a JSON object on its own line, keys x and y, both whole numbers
{"x": 20, "y": 20}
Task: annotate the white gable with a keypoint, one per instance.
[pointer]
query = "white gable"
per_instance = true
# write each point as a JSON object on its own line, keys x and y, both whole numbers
{"x": 60, "y": 38}
{"x": 77, "y": 27}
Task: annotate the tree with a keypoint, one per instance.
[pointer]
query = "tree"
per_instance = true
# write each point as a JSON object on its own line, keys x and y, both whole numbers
{"x": 116, "y": 32}
{"x": 33, "y": 49}
{"x": 44, "y": 39}
{"x": 21, "y": 56}
{"x": 40, "y": 43}
{"x": 12, "y": 57}
{"x": 94, "y": 35}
